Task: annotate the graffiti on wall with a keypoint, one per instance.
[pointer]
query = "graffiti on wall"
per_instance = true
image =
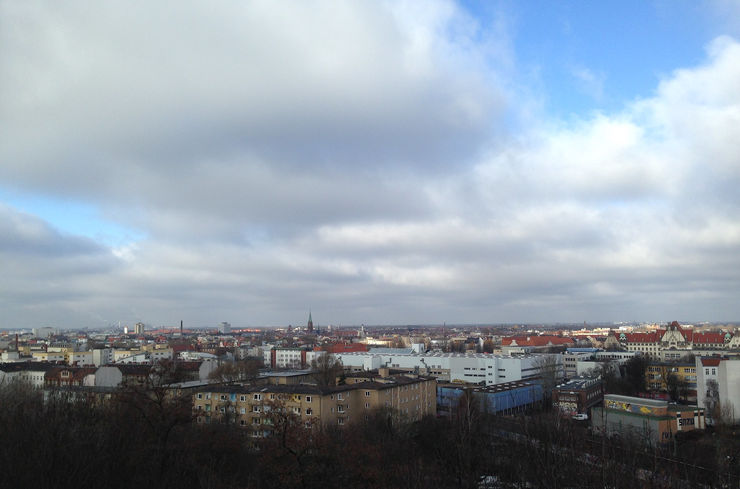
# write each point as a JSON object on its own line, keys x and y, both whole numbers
{"x": 629, "y": 407}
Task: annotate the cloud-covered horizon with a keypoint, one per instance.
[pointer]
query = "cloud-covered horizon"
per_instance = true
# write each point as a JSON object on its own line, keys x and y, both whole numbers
{"x": 379, "y": 163}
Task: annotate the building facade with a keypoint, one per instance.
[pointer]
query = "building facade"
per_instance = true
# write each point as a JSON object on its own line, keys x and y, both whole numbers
{"x": 257, "y": 407}
{"x": 652, "y": 421}
{"x": 577, "y": 396}
{"x": 672, "y": 342}
{"x": 473, "y": 368}
{"x": 718, "y": 388}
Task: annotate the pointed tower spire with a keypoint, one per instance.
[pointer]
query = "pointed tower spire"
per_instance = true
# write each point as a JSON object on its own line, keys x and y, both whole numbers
{"x": 310, "y": 322}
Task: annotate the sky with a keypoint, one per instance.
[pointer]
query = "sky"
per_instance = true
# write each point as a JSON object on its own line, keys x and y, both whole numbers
{"x": 374, "y": 162}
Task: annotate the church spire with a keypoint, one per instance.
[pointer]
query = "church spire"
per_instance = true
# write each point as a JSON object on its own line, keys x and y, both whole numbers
{"x": 310, "y": 322}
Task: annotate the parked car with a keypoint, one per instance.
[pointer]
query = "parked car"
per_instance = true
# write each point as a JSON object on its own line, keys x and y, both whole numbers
{"x": 580, "y": 417}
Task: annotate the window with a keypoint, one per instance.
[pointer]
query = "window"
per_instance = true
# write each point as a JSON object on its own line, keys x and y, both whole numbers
{"x": 256, "y": 409}
{"x": 296, "y": 410}
{"x": 258, "y": 397}
{"x": 367, "y": 393}
{"x": 255, "y": 421}
{"x": 339, "y": 397}
{"x": 298, "y": 398}
{"x": 340, "y": 420}
{"x": 242, "y": 398}
{"x": 340, "y": 409}
{"x": 367, "y": 405}
{"x": 208, "y": 396}
{"x": 222, "y": 397}
{"x": 309, "y": 411}
{"x": 243, "y": 411}
{"x": 308, "y": 398}
{"x": 200, "y": 396}
{"x": 208, "y": 407}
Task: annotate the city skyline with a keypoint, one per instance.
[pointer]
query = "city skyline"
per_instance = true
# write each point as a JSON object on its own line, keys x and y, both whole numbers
{"x": 379, "y": 163}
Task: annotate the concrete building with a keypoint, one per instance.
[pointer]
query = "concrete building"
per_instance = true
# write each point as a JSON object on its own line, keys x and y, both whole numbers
{"x": 44, "y": 332}
{"x": 718, "y": 388}
{"x": 293, "y": 358}
{"x": 102, "y": 356}
{"x": 474, "y": 368}
{"x": 224, "y": 328}
{"x": 577, "y": 396}
{"x": 506, "y": 398}
{"x": 652, "y": 421}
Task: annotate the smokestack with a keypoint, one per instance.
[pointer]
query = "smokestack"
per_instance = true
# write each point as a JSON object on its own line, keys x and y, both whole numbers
{"x": 180, "y": 327}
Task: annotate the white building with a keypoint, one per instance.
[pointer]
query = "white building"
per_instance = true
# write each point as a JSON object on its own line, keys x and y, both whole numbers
{"x": 44, "y": 332}
{"x": 102, "y": 356}
{"x": 718, "y": 386}
{"x": 224, "y": 328}
{"x": 472, "y": 368}
{"x": 81, "y": 358}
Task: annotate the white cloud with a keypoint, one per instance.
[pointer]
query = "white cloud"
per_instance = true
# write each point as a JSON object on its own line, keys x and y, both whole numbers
{"x": 348, "y": 157}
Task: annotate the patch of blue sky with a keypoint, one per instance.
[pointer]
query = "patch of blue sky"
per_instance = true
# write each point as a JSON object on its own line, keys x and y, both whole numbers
{"x": 72, "y": 217}
{"x": 598, "y": 56}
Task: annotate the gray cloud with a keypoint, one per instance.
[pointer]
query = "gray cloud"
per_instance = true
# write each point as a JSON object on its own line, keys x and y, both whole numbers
{"x": 352, "y": 158}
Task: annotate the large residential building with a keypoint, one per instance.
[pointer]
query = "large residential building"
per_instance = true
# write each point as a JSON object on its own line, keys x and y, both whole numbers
{"x": 409, "y": 397}
{"x": 474, "y": 368}
{"x": 672, "y": 342}
{"x": 718, "y": 388}
{"x": 658, "y": 376}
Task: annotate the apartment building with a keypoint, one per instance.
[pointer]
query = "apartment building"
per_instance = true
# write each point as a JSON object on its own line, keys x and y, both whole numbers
{"x": 258, "y": 407}
{"x": 657, "y": 376}
{"x": 718, "y": 388}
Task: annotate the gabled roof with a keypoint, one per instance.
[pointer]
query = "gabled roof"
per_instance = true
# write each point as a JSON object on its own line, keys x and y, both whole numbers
{"x": 710, "y": 362}
{"x": 651, "y": 337}
{"x": 543, "y": 340}
{"x": 709, "y": 337}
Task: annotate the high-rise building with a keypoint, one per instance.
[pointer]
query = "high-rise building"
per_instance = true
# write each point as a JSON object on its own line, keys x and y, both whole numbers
{"x": 139, "y": 328}
{"x": 224, "y": 328}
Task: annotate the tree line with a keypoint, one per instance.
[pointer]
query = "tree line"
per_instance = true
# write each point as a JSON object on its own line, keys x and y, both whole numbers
{"x": 146, "y": 437}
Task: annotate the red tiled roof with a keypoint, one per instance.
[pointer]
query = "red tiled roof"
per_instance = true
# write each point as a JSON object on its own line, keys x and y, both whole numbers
{"x": 344, "y": 348}
{"x": 651, "y": 337}
{"x": 543, "y": 340}
{"x": 709, "y": 338}
{"x": 710, "y": 362}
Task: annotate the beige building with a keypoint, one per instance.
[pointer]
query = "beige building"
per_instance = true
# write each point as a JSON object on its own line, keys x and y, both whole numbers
{"x": 410, "y": 397}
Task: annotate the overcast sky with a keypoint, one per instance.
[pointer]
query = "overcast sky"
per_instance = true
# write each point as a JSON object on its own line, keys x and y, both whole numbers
{"x": 376, "y": 162}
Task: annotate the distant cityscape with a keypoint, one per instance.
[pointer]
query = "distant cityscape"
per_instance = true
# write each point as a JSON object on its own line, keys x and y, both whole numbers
{"x": 649, "y": 383}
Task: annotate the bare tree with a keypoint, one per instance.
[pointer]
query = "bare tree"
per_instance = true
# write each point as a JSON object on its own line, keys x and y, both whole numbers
{"x": 327, "y": 369}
